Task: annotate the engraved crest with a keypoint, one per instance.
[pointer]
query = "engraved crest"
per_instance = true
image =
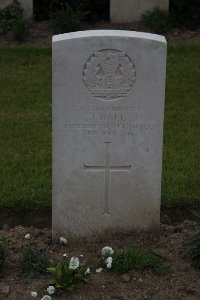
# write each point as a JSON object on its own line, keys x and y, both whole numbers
{"x": 109, "y": 74}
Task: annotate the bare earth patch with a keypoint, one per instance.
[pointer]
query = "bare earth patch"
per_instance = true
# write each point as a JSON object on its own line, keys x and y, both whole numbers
{"x": 182, "y": 281}
{"x": 41, "y": 34}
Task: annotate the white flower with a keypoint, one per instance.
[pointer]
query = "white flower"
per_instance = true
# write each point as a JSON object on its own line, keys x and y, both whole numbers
{"x": 74, "y": 263}
{"x": 34, "y": 294}
{"x": 63, "y": 241}
{"x": 46, "y": 297}
{"x": 107, "y": 250}
{"x": 87, "y": 271}
{"x": 108, "y": 262}
{"x": 51, "y": 290}
{"x": 99, "y": 270}
{"x": 27, "y": 236}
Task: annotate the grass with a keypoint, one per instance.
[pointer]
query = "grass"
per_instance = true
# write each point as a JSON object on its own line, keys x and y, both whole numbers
{"x": 25, "y": 129}
{"x": 33, "y": 262}
{"x": 181, "y": 161}
{"x": 134, "y": 259}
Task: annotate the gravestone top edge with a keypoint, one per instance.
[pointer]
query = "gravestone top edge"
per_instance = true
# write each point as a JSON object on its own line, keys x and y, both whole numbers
{"x": 108, "y": 33}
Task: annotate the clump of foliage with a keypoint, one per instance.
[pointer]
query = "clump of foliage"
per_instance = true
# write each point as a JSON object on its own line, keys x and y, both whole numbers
{"x": 33, "y": 263}
{"x": 159, "y": 21}
{"x": 4, "y": 245}
{"x": 66, "y": 278}
{"x": 8, "y": 16}
{"x": 67, "y": 20}
{"x": 21, "y": 29}
{"x": 96, "y": 9}
{"x": 196, "y": 214}
{"x": 186, "y": 13}
{"x": 11, "y": 19}
{"x": 134, "y": 259}
{"x": 194, "y": 249}
{"x": 2, "y": 258}
{"x": 193, "y": 244}
{"x": 182, "y": 13}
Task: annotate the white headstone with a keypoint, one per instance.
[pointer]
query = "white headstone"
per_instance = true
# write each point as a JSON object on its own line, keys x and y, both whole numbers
{"x": 131, "y": 10}
{"x": 4, "y": 3}
{"x": 108, "y": 111}
{"x": 27, "y": 5}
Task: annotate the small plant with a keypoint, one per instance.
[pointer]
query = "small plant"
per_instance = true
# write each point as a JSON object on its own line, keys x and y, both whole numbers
{"x": 4, "y": 245}
{"x": 159, "y": 21}
{"x": 132, "y": 259}
{"x": 2, "y": 258}
{"x": 68, "y": 273}
{"x": 196, "y": 214}
{"x": 67, "y": 20}
{"x": 33, "y": 262}
{"x": 4, "y": 241}
{"x": 8, "y": 16}
{"x": 21, "y": 29}
{"x": 193, "y": 249}
{"x": 193, "y": 244}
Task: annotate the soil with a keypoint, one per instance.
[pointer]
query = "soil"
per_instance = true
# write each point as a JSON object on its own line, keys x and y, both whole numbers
{"x": 181, "y": 281}
{"x": 41, "y": 34}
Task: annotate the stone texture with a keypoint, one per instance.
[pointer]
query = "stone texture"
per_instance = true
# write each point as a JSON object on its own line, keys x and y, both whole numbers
{"x": 108, "y": 108}
{"x": 27, "y": 5}
{"x": 4, "y": 3}
{"x": 28, "y": 8}
{"x": 131, "y": 10}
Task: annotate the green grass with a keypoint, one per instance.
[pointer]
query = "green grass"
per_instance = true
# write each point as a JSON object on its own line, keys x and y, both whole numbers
{"x": 25, "y": 129}
{"x": 33, "y": 263}
{"x": 134, "y": 259}
{"x": 181, "y": 162}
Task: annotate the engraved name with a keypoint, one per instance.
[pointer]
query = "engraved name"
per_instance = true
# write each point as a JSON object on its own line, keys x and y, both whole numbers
{"x": 94, "y": 108}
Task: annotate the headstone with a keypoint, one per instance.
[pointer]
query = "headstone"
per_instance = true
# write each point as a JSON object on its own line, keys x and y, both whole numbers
{"x": 27, "y": 6}
{"x": 127, "y": 11}
{"x": 4, "y": 3}
{"x": 108, "y": 111}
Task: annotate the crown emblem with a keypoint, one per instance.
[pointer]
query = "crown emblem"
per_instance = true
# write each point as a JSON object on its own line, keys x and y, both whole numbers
{"x": 109, "y": 74}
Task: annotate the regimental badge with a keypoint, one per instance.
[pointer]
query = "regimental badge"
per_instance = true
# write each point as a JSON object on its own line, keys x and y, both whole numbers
{"x": 109, "y": 74}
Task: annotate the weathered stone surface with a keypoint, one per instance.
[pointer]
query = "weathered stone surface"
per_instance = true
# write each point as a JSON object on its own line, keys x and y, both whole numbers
{"x": 131, "y": 10}
{"x": 27, "y": 5}
{"x": 4, "y": 3}
{"x": 108, "y": 107}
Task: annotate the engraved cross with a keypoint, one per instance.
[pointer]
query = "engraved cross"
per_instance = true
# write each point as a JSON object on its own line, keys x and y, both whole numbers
{"x": 107, "y": 168}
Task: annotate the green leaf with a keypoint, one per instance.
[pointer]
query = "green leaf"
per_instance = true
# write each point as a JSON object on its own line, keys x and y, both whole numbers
{"x": 86, "y": 280}
{"x": 52, "y": 271}
{"x": 70, "y": 287}
{"x": 58, "y": 286}
{"x": 195, "y": 213}
{"x": 52, "y": 282}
